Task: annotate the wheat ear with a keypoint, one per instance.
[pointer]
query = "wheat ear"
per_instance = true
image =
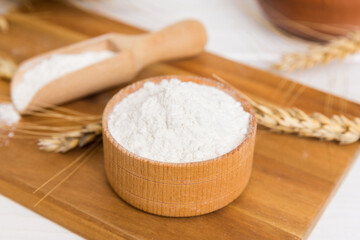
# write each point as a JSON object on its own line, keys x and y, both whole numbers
{"x": 338, "y": 48}
{"x": 295, "y": 121}
{"x": 64, "y": 142}
{"x": 7, "y": 68}
{"x": 317, "y": 125}
{"x": 4, "y": 25}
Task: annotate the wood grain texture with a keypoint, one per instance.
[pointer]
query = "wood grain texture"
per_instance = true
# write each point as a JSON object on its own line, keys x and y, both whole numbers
{"x": 173, "y": 189}
{"x": 292, "y": 180}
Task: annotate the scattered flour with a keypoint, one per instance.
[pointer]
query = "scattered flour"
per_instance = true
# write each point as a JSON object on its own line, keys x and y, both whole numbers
{"x": 8, "y": 115}
{"x": 49, "y": 69}
{"x": 178, "y": 122}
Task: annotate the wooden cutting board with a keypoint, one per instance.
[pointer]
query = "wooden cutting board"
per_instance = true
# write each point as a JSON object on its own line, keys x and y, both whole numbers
{"x": 292, "y": 181}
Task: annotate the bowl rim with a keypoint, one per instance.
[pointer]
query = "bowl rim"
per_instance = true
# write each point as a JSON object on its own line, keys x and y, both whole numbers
{"x": 185, "y": 78}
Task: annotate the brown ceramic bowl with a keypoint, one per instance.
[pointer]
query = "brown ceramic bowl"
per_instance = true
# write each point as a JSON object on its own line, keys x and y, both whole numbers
{"x": 313, "y": 19}
{"x": 178, "y": 189}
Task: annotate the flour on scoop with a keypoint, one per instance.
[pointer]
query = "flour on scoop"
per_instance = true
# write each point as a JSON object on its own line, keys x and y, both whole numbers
{"x": 50, "y": 69}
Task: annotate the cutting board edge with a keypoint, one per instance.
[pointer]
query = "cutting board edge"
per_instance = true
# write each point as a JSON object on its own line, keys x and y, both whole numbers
{"x": 330, "y": 197}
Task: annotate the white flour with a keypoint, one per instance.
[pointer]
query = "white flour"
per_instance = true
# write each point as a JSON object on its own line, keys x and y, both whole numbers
{"x": 49, "y": 69}
{"x": 178, "y": 122}
{"x": 8, "y": 115}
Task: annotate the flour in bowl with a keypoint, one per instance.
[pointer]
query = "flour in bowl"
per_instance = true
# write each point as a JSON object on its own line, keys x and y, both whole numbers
{"x": 49, "y": 69}
{"x": 178, "y": 122}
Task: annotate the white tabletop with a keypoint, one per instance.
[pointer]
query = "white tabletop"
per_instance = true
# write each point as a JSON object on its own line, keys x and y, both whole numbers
{"x": 238, "y": 31}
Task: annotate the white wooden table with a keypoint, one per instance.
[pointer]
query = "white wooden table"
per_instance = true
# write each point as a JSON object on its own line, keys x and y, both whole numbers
{"x": 238, "y": 31}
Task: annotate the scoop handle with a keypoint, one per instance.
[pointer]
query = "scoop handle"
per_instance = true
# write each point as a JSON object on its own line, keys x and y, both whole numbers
{"x": 183, "y": 39}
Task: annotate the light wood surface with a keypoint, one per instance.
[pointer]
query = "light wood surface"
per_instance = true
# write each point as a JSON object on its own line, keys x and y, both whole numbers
{"x": 132, "y": 53}
{"x": 178, "y": 189}
{"x": 288, "y": 189}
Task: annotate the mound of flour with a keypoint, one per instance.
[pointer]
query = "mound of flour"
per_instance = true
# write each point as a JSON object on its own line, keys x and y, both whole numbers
{"x": 178, "y": 122}
{"x": 8, "y": 115}
{"x": 49, "y": 69}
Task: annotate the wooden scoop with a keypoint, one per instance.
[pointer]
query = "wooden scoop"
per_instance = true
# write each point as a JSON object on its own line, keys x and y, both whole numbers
{"x": 133, "y": 52}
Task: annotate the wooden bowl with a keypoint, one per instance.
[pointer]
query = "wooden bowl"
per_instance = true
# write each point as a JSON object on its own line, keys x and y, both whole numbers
{"x": 178, "y": 189}
{"x": 313, "y": 19}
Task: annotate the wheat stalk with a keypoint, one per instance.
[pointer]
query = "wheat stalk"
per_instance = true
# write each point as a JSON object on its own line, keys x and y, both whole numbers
{"x": 337, "y": 48}
{"x": 83, "y": 158}
{"x": 7, "y": 68}
{"x": 64, "y": 142}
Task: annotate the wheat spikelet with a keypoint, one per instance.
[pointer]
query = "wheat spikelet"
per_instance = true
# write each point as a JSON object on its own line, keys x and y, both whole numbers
{"x": 7, "y": 68}
{"x": 337, "y": 48}
{"x": 293, "y": 120}
{"x": 4, "y": 25}
{"x": 67, "y": 141}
